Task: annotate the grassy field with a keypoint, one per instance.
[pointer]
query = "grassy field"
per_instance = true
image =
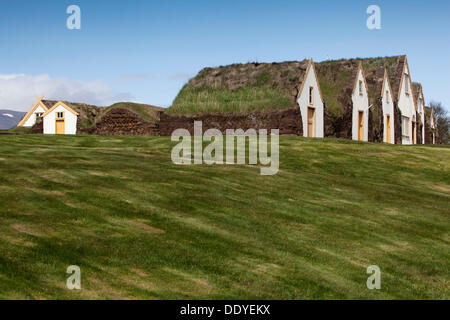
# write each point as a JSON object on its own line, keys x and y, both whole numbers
{"x": 141, "y": 227}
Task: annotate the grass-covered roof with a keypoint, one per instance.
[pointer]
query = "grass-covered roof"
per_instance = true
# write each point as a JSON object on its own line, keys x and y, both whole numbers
{"x": 241, "y": 87}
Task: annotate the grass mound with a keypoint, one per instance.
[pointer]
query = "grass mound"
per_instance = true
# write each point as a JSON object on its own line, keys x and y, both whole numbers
{"x": 145, "y": 111}
{"x": 141, "y": 227}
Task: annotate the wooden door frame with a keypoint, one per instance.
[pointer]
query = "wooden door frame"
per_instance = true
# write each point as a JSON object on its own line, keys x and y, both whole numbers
{"x": 388, "y": 128}
{"x": 313, "y": 124}
{"x": 360, "y": 121}
{"x": 63, "y": 120}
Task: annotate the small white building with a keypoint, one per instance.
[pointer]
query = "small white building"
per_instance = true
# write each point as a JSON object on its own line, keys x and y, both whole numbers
{"x": 60, "y": 119}
{"x": 36, "y": 112}
{"x": 420, "y": 109}
{"x": 433, "y": 126}
{"x": 360, "y": 112}
{"x": 406, "y": 104}
{"x": 310, "y": 101}
{"x": 387, "y": 103}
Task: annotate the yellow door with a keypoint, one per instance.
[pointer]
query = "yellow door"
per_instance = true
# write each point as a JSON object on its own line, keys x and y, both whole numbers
{"x": 361, "y": 126}
{"x": 311, "y": 117}
{"x": 388, "y": 128}
{"x": 60, "y": 127}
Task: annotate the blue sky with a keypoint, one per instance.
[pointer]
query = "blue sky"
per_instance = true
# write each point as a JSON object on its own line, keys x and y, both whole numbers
{"x": 145, "y": 50}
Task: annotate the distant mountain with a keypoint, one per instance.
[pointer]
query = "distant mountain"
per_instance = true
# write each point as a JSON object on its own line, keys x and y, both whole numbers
{"x": 10, "y": 119}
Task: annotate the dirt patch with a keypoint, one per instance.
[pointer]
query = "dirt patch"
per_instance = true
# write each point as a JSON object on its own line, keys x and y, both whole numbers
{"x": 27, "y": 230}
{"x": 145, "y": 227}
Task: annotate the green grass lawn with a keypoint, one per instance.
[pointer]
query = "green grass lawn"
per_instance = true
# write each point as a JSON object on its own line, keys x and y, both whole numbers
{"x": 141, "y": 227}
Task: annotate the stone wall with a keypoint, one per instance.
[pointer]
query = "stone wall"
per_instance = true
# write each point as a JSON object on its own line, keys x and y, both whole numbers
{"x": 123, "y": 122}
{"x": 288, "y": 121}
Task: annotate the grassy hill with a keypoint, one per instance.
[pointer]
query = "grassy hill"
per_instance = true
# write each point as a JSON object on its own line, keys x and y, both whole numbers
{"x": 241, "y": 87}
{"x": 145, "y": 111}
{"x": 142, "y": 227}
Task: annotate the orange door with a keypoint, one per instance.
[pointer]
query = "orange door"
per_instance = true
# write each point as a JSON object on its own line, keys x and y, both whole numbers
{"x": 388, "y": 128}
{"x": 361, "y": 126}
{"x": 59, "y": 127}
{"x": 311, "y": 117}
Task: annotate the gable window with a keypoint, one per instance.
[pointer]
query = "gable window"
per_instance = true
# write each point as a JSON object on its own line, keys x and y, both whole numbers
{"x": 311, "y": 95}
{"x": 38, "y": 115}
{"x": 360, "y": 88}
{"x": 59, "y": 115}
{"x": 406, "y": 83}
{"x": 420, "y": 105}
{"x": 405, "y": 126}
{"x": 387, "y": 97}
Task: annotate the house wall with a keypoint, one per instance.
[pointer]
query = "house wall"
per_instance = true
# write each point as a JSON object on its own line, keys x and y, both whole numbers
{"x": 388, "y": 109}
{"x": 406, "y": 106}
{"x": 360, "y": 103}
{"x": 303, "y": 102}
{"x": 32, "y": 119}
{"x": 421, "y": 114}
{"x": 70, "y": 122}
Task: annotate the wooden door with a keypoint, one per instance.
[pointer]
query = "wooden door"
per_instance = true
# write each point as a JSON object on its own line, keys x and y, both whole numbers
{"x": 388, "y": 128}
{"x": 361, "y": 126}
{"x": 413, "y": 132}
{"x": 59, "y": 127}
{"x": 311, "y": 122}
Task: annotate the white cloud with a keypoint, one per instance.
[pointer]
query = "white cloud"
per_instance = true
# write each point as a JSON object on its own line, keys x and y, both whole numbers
{"x": 17, "y": 91}
{"x": 134, "y": 77}
{"x": 181, "y": 76}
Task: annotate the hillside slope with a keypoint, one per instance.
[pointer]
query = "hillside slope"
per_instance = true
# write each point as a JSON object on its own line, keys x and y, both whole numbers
{"x": 141, "y": 227}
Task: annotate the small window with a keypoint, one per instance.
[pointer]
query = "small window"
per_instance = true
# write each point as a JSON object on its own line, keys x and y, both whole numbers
{"x": 38, "y": 115}
{"x": 406, "y": 83}
{"x": 360, "y": 87}
{"x": 311, "y": 95}
{"x": 405, "y": 126}
{"x": 387, "y": 97}
{"x": 60, "y": 115}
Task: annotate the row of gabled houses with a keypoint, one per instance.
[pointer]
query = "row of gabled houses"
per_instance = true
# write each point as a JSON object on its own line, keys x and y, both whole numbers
{"x": 367, "y": 100}
{"x": 371, "y": 99}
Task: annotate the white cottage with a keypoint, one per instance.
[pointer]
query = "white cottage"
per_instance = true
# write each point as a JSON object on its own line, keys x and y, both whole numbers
{"x": 310, "y": 101}
{"x": 406, "y": 104}
{"x": 360, "y": 112}
{"x": 433, "y": 126}
{"x": 420, "y": 109}
{"x": 387, "y": 104}
{"x": 60, "y": 119}
{"x": 36, "y": 112}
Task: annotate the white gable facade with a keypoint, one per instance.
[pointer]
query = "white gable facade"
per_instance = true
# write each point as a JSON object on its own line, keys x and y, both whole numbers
{"x": 432, "y": 125}
{"x": 387, "y": 103}
{"x": 421, "y": 113}
{"x": 38, "y": 109}
{"x": 360, "y": 113}
{"x": 407, "y": 108}
{"x": 311, "y": 105}
{"x": 38, "y": 112}
{"x": 60, "y": 119}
